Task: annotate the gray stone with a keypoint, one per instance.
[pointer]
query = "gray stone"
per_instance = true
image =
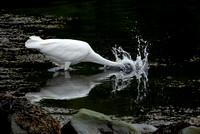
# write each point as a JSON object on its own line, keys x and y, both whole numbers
{"x": 16, "y": 129}
{"x": 145, "y": 128}
{"x": 90, "y": 122}
{"x": 191, "y": 130}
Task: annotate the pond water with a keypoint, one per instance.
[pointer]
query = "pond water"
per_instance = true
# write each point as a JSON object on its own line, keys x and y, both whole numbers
{"x": 168, "y": 32}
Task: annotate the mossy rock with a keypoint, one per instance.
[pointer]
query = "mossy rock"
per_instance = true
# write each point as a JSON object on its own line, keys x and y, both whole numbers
{"x": 91, "y": 122}
{"x": 191, "y": 130}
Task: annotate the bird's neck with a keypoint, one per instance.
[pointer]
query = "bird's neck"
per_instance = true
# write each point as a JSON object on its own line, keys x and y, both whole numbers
{"x": 96, "y": 58}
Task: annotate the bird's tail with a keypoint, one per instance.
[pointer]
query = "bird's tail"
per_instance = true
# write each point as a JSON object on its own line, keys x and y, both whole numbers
{"x": 33, "y": 42}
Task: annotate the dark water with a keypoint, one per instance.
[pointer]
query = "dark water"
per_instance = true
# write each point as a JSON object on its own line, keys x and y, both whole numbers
{"x": 171, "y": 29}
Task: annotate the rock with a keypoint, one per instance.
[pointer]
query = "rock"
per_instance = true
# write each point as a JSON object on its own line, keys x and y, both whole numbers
{"x": 191, "y": 130}
{"x": 91, "y": 122}
{"x": 23, "y": 117}
{"x": 33, "y": 120}
{"x": 174, "y": 128}
{"x": 4, "y": 41}
{"x": 16, "y": 129}
{"x": 145, "y": 128}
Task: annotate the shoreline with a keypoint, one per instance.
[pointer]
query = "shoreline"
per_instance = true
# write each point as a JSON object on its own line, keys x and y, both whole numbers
{"x": 62, "y": 116}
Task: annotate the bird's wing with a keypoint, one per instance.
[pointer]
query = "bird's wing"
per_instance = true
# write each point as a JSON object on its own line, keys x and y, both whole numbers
{"x": 65, "y": 50}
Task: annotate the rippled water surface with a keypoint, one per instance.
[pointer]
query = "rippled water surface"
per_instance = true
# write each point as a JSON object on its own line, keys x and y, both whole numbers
{"x": 170, "y": 30}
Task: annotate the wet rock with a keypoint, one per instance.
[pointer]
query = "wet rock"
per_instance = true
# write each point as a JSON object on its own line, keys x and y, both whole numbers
{"x": 90, "y": 122}
{"x": 191, "y": 130}
{"x": 20, "y": 116}
{"x": 4, "y": 41}
{"x": 172, "y": 129}
{"x": 169, "y": 115}
{"x": 62, "y": 115}
{"x": 35, "y": 121}
{"x": 16, "y": 129}
{"x": 145, "y": 128}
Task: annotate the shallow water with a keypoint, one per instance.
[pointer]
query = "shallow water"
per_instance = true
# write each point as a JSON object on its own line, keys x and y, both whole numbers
{"x": 171, "y": 81}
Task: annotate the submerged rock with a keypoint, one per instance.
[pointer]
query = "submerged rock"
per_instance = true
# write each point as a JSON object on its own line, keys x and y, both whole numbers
{"x": 145, "y": 128}
{"x": 172, "y": 129}
{"x": 90, "y": 122}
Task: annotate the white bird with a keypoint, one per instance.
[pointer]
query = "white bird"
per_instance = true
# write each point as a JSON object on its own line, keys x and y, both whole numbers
{"x": 66, "y": 52}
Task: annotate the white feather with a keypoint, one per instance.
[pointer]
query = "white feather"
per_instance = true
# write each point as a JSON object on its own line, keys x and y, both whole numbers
{"x": 67, "y": 51}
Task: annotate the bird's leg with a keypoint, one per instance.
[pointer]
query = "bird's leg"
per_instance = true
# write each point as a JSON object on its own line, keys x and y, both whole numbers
{"x": 67, "y": 75}
{"x": 67, "y": 64}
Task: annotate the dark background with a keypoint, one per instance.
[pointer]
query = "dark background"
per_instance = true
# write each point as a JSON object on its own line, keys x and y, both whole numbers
{"x": 172, "y": 27}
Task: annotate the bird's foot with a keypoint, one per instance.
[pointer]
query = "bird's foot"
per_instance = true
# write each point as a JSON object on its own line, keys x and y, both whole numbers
{"x": 55, "y": 69}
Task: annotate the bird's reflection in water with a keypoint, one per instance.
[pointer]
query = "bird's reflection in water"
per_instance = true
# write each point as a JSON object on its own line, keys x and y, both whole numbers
{"x": 66, "y": 86}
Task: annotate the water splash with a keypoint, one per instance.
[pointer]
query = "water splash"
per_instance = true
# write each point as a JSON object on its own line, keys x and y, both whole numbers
{"x": 141, "y": 62}
{"x": 133, "y": 68}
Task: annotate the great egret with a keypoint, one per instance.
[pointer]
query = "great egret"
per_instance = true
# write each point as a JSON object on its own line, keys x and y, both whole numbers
{"x": 66, "y": 52}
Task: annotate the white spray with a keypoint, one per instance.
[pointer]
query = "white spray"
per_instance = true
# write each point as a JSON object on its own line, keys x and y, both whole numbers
{"x": 137, "y": 68}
